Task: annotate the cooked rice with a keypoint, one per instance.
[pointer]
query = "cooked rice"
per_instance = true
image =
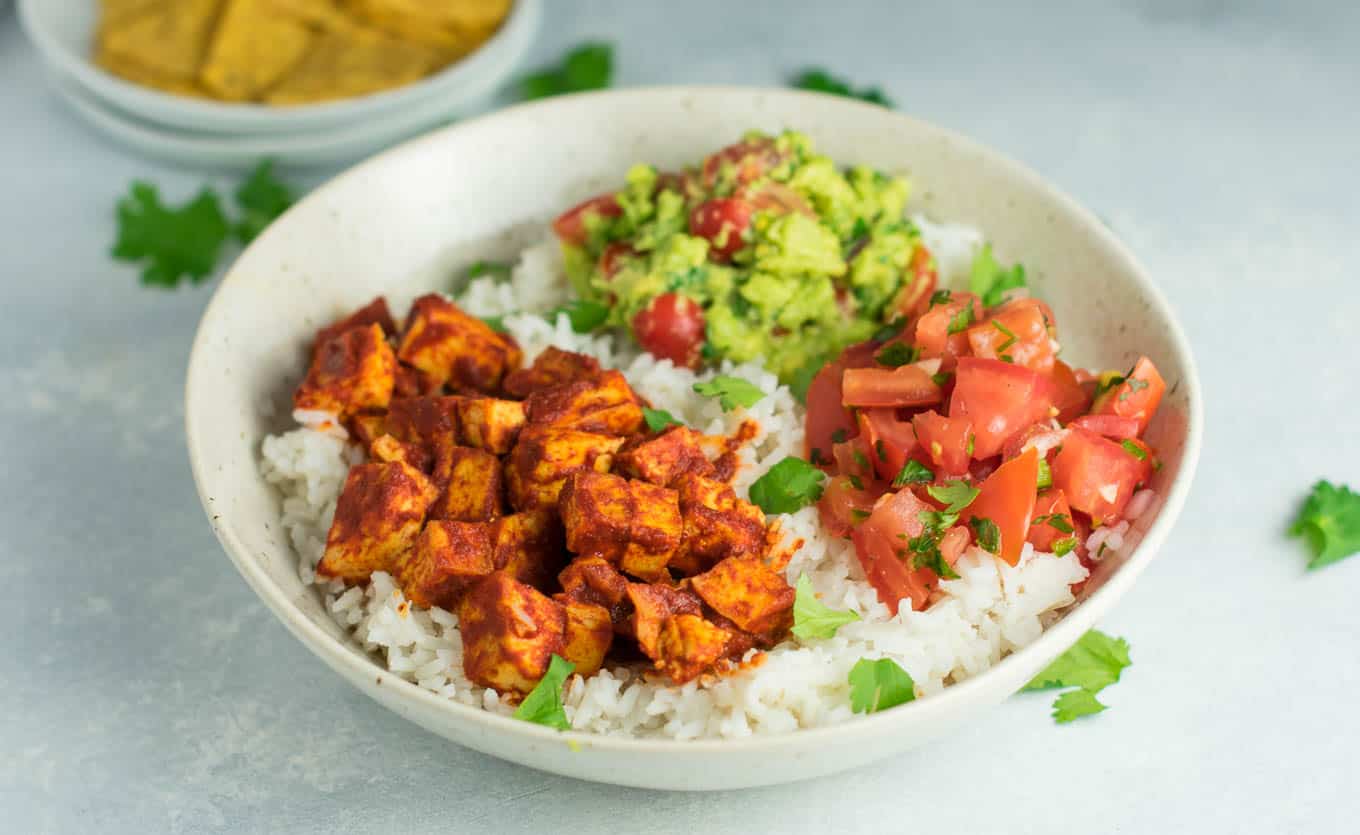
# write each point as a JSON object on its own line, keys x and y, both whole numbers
{"x": 992, "y": 610}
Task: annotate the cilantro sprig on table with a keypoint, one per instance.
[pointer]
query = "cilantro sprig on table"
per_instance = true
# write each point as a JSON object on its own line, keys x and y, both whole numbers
{"x": 1329, "y": 522}
{"x": 589, "y": 66}
{"x": 1093, "y": 663}
{"x": 821, "y": 81}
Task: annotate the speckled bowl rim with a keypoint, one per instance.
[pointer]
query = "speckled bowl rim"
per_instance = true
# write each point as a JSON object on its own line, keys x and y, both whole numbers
{"x": 1053, "y": 641}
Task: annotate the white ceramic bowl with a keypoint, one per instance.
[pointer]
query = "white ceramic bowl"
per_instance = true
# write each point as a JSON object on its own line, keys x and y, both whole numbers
{"x": 402, "y": 222}
{"x": 62, "y": 31}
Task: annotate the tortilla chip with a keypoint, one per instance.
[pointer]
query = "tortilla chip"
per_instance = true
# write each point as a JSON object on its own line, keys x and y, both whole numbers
{"x": 352, "y": 63}
{"x": 138, "y": 74}
{"x": 167, "y": 41}
{"x": 452, "y": 26}
{"x": 253, "y": 48}
{"x": 321, "y": 14}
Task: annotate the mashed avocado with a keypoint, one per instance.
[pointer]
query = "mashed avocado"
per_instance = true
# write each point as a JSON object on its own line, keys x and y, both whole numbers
{"x": 789, "y": 257}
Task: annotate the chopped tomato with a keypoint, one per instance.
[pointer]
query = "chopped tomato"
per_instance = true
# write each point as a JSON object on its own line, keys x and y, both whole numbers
{"x": 1098, "y": 475}
{"x": 933, "y": 328}
{"x": 777, "y": 198}
{"x": 853, "y": 457}
{"x": 1136, "y": 397}
{"x": 1070, "y": 397}
{"x": 612, "y": 256}
{"x": 913, "y": 299}
{"x": 570, "y": 226}
{"x": 881, "y": 545}
{"x": 1109, "y": 426}
{"x": 1051, "y": 517}
{"x": 671, "y": 327}
{"x": 723, "y": 222}
{"x": 1000, "y": 398}
{"x": 1007, "y": 499}
{"x": 890, "y": 442}
{"x": 749, "y": 159}
{"x": 907, "y": 386}
{"x": 945, "y": 441}
{"x": 1041, "y": 434}
{"x": 843, "y": 505}
{"x": 827, "y": 419}
{"x": 1017, "y": 331}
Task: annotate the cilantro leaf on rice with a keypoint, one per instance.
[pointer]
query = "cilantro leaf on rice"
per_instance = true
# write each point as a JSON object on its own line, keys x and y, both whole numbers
{"x": 879, "y": 685}
{"x": 814, "y": 619}
{"x": 543, "y": 705}
{"x": 731, "y": 391}
{"x": 787, "y": 486}
{"x": 990, "y": 281}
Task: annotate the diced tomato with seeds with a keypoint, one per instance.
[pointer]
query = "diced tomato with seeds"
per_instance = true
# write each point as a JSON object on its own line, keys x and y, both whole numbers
{"x": 913, "y": 299}
{"x": 932, "y": 328}
{"x": 890, "y": 441}
{"x": 723, "y": 222}
{"x": 826, "y": 418}
{"x": 672, "y": 327}
{"x": 1006, "y": 498}
{"x": 1098, "y": 475}
{"x": 1115, "y": 427}
{"x": 853, "y": 457}
{"x": 843, "y": 505}
{"x": 570, "y": 226}
{"x": 1071, "y": 397}
{"x": 1136, "y": 397}
{"x": 1001, "y": 399}
{"x": 1018, "y": 332}
{"x": 944, "y": 442}
{"x": 1051, "y": 516}
{"x": 881, "y": 545}
{"x": 907, "y": 386}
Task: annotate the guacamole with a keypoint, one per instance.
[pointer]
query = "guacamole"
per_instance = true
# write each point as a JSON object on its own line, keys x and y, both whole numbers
{"x": 767, "y": 251}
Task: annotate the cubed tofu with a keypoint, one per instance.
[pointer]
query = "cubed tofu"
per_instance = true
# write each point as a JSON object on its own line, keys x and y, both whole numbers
{"x": 430, "y": 424}
{"x": 447, "y": 558}
{"x": 689, "y": 646}
{"x": 455, "y": 348}
{"x": 633, "y": 523}
{"x": 412, "y": 382}
{"x": 510, "y": 632}
{"x": 367, "y": 427}
{"x": 590, "y": 632}
{"x": 528, "y": 546}
{"x": 473, "y": 489}
{"x": 603, "y": 403}
{"x": 653, "y": 604}
{"x": 377, "y": 518}
{"x": 596, "y": 580}
{"x": 388, "y": 448}
{"x": 544, "y": 456}
{"x": 717, "y": 525}
{"x": 661, "y": 460}
{"x": 350, "y": 373}
{"x": 747, "y": 592}
{"x": 552, "y": 367}
{"x": 490, "y": 424}
{"x": 375, "y": 312}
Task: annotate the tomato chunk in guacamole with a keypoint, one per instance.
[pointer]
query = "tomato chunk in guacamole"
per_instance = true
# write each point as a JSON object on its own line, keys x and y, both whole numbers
{"x": 766, "y": 251}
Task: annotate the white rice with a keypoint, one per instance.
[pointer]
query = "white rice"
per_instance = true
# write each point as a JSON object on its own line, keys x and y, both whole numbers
{"x": 991, "y": 611}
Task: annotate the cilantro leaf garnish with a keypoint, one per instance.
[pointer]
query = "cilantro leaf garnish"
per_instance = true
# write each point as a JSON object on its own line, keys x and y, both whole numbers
{"x": 1045, "y": 479}
{"x": 913, "y": 472}
{"x": 1135, "y": 384}
{"x": 1057, "y": 521}
{"x": 658, "y": 419}
{"x": 801, "y": 380}
{"x": 961, "y": 320}
{"x": 1075, "y": 704}
{"x": 941, "y": 297}
{"x": 1011, "y": 338}
{"x": 990, "y": 280}
{"x": 1093, "y": 663}
{"x": 1133, "y": 449}
{"x": 988, "y": 535}
{"x": 788, "y": 486}
{"x": 925, "y": 551}
{"x": 1063, "y": 547}
{"x": 896, "y": 354}
{"x": 955, "y": 494}
{"x": 497, "y": 270}
{"x": 730, "y": 391}
{"x": 585, "y": 316}
{"x": 589, "y": 66}
{"x": 261, "y": 198}
{"x": 543, "y": 705}
{"x": 814, "y": 619}
{"x": 821, "y": 81}
{"x": 1330, "y": 523}
{"x": 171, "y": 243}
{"x": 879, "y": 685}
{"x": 496, "y": 323}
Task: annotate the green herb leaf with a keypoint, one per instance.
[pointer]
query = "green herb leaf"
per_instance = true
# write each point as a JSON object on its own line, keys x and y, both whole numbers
{"x": 731, "y": 392}
{"x": 1075, "y": 704}
{"x": 1059, "y": 522}
{"x": 585, "y": 315}
{"x": 788, "y": 486}
{"x": 1134, "y": 384}
{"x": 495, "y": 269}
{"x": 812, "y": 618}
{"x": 855, "y": 481}
{"x": 990, "y": 280}
{"x": 1093, "y": 663}
{"x": 543, "y": 705}
{"x": 822, "y": 81}
{"x": 879, "y": 685}
{"x": 913, "y": 472}
{"x": 955, "y": 494}
{"x": 988, "y": 535}
{"x": 940, "y": 297}
{"x": 171, "y": 243}
{"x": 1063, "y": 547}
{"x": 261, "y": 198}
{"x": 961, "y": 320}
{"x": 801, "y": 380}
{"x": 589, "y": 66}
{"x": 896, "y": 354}
{"x": 881, "y": 449}
{"x": 496, "y": 323}
{"x": 1329, "y": 521}
{"x": 659, "y": 419}
{"x": 839, "y": 436}
{"x": 1045, "y": 475}
{"x": 1133, "y": 449}
{"x": 1011, "y": 338}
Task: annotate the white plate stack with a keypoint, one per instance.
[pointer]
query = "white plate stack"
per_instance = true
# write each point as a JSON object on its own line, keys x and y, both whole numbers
{"x": 200, "y": 132}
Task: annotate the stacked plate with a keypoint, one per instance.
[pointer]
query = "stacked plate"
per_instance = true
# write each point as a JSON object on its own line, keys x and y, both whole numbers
{"x": 200, "y": 132}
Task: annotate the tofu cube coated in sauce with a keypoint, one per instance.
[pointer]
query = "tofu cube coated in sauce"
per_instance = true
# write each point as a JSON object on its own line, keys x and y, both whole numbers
{"x": 528, "y": 546}
{"x": 447, "y": 558}
{"x": 603, "y": 403}
{"x": 375, "y": 312}
{"x": 430, "y": 424}
{"x": 632, "y": 523}
{"x": 510, "y": 631}
{"x": 589, "y": 634}
{"x": 717, "y": 525}
{"x": 350, "y": 373}
{"x": 473, "y": 486}
{"x": 689, "y": 646}
{"x": 454, "y": 348}
{"x": 377, "y": 518}
{"x": 544, "y": 456}
{"x": 596, "y": 580}
{"x": 747, "y": 592}
{"x": 552, "y": 367}
{"x": 490, "y": 424}
{"x": 663, "y": 459}
{"x": 653, "y": 605}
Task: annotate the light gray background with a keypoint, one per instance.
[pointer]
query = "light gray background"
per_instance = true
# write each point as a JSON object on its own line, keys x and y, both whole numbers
{"x": 143, "y": 689}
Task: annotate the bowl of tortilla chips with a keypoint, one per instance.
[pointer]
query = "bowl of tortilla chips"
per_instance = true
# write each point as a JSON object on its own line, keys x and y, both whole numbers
{"x": 259, "y": 67}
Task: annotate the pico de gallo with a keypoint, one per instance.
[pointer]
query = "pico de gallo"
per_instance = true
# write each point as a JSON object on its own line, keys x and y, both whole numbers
{"x": 965, "y": 428}
{"x": 765, "y": 251}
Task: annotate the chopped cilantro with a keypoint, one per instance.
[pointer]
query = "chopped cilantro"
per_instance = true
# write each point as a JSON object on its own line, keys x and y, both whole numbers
{"x": 801, "y": 380}
{"x": 990, "y": 280}
{"x": 731, "y": 392}
{"x": 940, "y": 379}
{"x": 1075, "y": 704}
{"x": 1108, "y": 380}
{"x": 955, "y": 494}
{"x": 986, "y": 532}
{"x": 1135, "y": 384}
{"x": 543, "y": 705}
{"x": 814, "y": 619}
{"x": 585, "y": 316}
{"x": 860, "y": 458}
{"x": 1133, "y": 449}
{"x": 913, "y": 472}
{"x": 889, "y": 330}
{"x": 1045, "y": 474}
{"x": 879, "y": 685}
{"x": 821, "y": 81}
{"x": 925, "y": 548}
{"x": 659, "y": 419}
{"x": 788, "y": 486}
{"x": 961, "y": 320}
{"x": 1063, "y": 547}
{"x": 855, "y": 481}
{"x": 881, "y": 449}
{"x": 1330, "y": 522}
{"x": 858, "y": 515}
{"x": 495, "y": 269}
{"x": 1093, "y": 663}
{"x": 839, "y": 436}
{"x": 589, "y": 66}
{"x": 171, "y": 243}
{"x": 261, "y": 198}
{"x": 1011, "y": 338}
{"x": 1056, "y": 521}
{"x": 971, "y": 444}
{"x": 896, "y": 354}
{"x": 496, "y": 323}
{"x": 940, "y": 297}
{"x": 860, "y": 229}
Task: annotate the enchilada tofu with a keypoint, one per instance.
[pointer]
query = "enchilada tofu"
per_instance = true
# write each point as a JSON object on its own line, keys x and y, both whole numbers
{"x": 717, "y": 525}
{"x": 747, "y": 592}
{"x": 388, "y": 448}
{"x": 633, "y": 523}
{"x": 490, "y": 423}
{"x": 589, "y": 634}
{"x": 473, "y": 486}
{"x": 377, "y": 518}
{"x": 596, "y": 580}
{"x": 350, "y": 373}
{"x": 666, "y": 457}
{"x": 447, "y": 558}
{"x": 603, "y": 403}
{"x": 653, "y": 605}
{"x": 528, "y": 546}
{"x": 543, "y": 458}
{"x": 375, "y": 312}
{"x": 454, "y": 348}
{"x": 689, "y": 646}
{"x": 552, "y": 367}
{"x": 510, "y": 632}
